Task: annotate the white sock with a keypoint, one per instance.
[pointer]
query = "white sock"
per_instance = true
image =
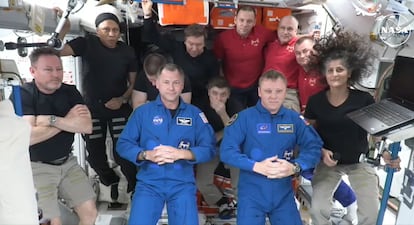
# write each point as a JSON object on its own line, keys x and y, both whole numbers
{"x": 351, "y": 214}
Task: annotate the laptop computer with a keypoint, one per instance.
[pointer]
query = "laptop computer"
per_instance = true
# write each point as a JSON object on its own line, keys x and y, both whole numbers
{"x": 395, "y": 111}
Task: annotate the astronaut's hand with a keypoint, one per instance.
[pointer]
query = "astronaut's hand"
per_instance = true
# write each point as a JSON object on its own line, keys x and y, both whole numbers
{"x": 328, "y": 157}
{"x": 267, "y": 167}
{"x": 114, "y": 103}
{"x": 78, "y": 110}
{"x": 283, "y": 169}
{"x": 59, "y": 13}
{"x": 218, "y": 106}
{"x": 165, "y": 154}
{"x": 392, "y": 163}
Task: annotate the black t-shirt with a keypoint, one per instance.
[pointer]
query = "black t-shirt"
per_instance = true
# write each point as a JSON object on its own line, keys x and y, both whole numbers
{"x": 105, "y": 70}
{"x": 338, "y": 132}
{"x": 142, "y": 84}
{"x": 59, "y": 103}
{"x": 198, "y": 69}
{"x": 232, "y": 107}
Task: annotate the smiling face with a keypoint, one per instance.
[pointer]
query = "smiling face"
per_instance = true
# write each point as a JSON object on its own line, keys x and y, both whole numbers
{"x": 245, "y": 21}
{"x": 170, "y": 85}
{"x": 287, "y": 29}
{"x": 272, "y": 93}
{"x": 337, "y": 73}
{"x": 303, "y": 52}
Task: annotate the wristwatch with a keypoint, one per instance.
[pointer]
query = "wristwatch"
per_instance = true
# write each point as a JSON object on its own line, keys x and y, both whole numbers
{"x": 52, "y": 120}
{"x": 297, "y": 169}
{"x": 144, "y": 155}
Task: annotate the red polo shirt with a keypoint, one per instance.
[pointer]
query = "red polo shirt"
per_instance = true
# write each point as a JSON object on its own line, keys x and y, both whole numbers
{"x": 309, "y": 83}
{"x": 242, "y": 58}
{"x": 282, "y": 58}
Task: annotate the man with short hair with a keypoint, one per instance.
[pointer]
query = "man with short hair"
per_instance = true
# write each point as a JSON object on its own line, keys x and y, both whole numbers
{"x": 260, "y": 141}
{"x": 166, "y": 138}
{"x": 109, "y": 71}
{"x": 56, "y": 111}
{"x": 280, "y": 56}
{"x": 144, "y": 87}
{"x": 198, "y": 62}
{"x": 240, "y": 52}
{"x": 310, "y": 81}
{"x": 219, "y": 108}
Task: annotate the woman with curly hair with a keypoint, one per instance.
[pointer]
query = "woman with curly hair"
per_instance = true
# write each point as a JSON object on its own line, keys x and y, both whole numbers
{"x": 343, "y": 58}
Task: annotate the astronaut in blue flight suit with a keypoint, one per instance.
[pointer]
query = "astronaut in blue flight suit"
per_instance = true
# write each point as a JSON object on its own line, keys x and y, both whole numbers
{"x": 165, "y": 138}
{"x": 260, "y": 141}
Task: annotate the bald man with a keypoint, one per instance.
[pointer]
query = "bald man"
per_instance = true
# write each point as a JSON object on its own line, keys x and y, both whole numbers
{"x": 280, "y": 56}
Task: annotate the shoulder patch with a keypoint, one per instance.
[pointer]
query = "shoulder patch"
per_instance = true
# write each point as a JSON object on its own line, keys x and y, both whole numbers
{"x": 232, "y": 119}
{"x": 203, "y": 117}
{"x": 304, "y": 120}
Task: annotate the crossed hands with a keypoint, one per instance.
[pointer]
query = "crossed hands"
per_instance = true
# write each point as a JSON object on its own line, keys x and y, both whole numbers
{"x": 274, "y": 167}
{"x": 78, "y": 110}
{"x": 163, "y": 154}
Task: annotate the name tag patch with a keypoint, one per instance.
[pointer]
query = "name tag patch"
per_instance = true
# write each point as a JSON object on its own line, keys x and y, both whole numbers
{"x": 184, "y": 121}
{"x": 263, "y": 128}
{"x": 285, "y": 128}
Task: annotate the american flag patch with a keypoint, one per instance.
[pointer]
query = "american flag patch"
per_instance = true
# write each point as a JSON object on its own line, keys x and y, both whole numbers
{"x": 304, "y": 120}
{"x": 203, "y": 117}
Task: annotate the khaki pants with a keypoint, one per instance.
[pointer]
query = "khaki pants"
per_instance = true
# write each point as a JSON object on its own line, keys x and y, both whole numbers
{"x": 68, "y": 181}
{"x": 364, "y": 182}
{"x": 205, "y": 180}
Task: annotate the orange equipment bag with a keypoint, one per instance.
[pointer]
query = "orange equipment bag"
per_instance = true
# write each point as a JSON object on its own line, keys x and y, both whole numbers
{"x": 193, "y": 11}
{"x": 272, "y": 16}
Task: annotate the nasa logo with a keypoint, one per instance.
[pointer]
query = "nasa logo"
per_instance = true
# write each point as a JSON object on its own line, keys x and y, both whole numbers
{"x": 157, "y": 120}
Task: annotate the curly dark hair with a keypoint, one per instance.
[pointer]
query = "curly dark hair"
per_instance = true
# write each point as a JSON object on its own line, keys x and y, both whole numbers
{"x": 356, "y": 52}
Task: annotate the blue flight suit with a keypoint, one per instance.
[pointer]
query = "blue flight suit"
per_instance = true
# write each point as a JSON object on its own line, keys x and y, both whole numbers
{"x": 174, "y": 183}
{"x": 254, "y": 135}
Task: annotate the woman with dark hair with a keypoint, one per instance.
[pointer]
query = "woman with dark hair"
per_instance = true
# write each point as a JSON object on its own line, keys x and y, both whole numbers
{"x": 343, "y": 58}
